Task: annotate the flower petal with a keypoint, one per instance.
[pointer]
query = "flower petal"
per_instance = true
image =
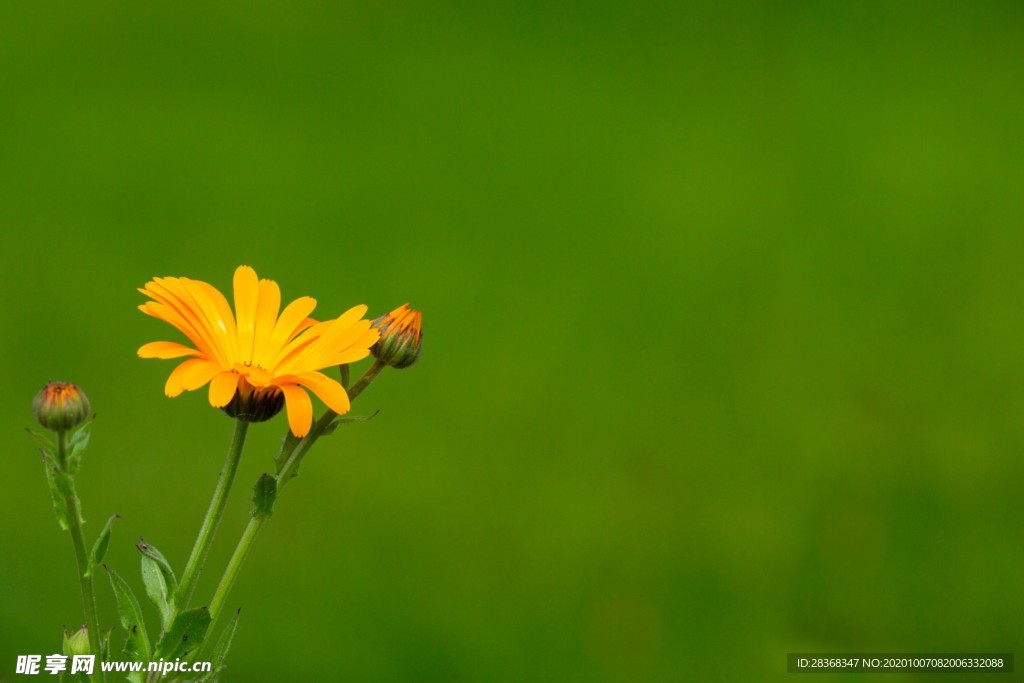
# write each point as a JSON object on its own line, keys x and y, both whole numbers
{"x": 175, "y": 293}
{"x": 247, "y": 292}
{"x": 299, "y": 343}
{"x": 337, "y": 335}
{"x": 266, "y": 317}
{"x": 222, "y": 389}
{"x": 218, "y": 314}
{"x": 293, "y": 315}
{"x": 174, "y": 312}
{"x": 327, "y": 390}
{"x": 357, "y": 350}
{"x": 190, "y": 375}
{"x": 300, "y": 409}
{"x": 165, "y": 349}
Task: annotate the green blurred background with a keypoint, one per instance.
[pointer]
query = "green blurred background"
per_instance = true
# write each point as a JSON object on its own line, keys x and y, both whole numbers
{"x": 724, "y": 311}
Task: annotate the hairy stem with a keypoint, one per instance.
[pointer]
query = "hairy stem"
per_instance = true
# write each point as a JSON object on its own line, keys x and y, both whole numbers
{"x": 92, "y": 621}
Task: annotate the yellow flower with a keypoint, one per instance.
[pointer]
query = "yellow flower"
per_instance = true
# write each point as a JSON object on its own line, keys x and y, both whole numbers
{"x": 255, "y": 354}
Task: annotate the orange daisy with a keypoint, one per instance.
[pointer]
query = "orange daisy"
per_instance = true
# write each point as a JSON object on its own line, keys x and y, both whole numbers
{"x": 257, "y": 356}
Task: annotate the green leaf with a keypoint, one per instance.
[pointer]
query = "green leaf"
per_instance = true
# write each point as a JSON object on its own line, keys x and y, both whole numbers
{"x": 76, "y": 433}
{"x": 137, "y": 646}
{"x": 105, "y": 644}
{"x": 184, "y": 635}
{"x": 77, "y": 444}
{"x": 65, "y": 485}
{"x": 60, "y": 509}
{"x": 156, "y": 587}
{"x": 44, "y": 442}
{"x": 263, "y": 495}
{"x": 220, "y": 650}
{"x": 344, "y": 419}
{"x": 64, "y": 490}
{"x": 158, "y": 578}
{"x": 99, "y": 549}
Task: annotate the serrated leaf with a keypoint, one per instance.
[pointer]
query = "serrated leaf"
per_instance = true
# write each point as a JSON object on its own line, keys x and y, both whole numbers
{"x": 220, "y": 650}
{"x": 344, "y": 419}
{"x": 184, "y": 635}
{"x": 99, "y": 549}
{"x": 158, "y": 578}
{"x": 137, "y": 646}
{"x": 264, "y": 493}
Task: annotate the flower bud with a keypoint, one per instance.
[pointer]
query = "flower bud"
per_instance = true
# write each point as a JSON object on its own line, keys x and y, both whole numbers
{"x": 76, "y": 643}
{"x": 61, "y": 406}
{"x": 400, "y": 336}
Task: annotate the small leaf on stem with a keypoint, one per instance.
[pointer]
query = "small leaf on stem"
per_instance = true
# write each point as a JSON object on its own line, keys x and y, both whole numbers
{"x": 158, "y": 578}
{"x": 137, "y": 647}
{"x": 263, "y": 495}
{"x": 344, "y": 419}
{"x": 220, "y": 650}
{"x": 99, "y": 549}
{"x": 184, "y": 635}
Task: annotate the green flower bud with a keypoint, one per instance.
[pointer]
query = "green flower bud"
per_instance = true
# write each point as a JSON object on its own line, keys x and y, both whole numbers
{"x": 61, "y": 406}
{"x": 400, "y": 337}
{"x": 76, "y": 643}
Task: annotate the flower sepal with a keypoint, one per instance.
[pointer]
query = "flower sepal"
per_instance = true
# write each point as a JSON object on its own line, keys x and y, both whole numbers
{"x": 255, "y": 405}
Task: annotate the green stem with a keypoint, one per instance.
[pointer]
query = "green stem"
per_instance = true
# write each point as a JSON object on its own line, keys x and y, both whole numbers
{"x": 252, "y": 529}
{"x": 367, "y": 379}
{"x": 287, "y": 470}
{"x": 231, "y": 573}
{"x": 92, "y": 621}
{"x": 210, "y": 523}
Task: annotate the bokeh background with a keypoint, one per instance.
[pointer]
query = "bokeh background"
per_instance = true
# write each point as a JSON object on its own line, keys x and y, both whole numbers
{"x": 724, "y": 311}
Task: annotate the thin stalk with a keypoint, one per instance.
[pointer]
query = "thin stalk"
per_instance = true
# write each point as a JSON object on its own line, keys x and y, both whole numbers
{"x": 92, "y": 621}
{"x": 210, "y": 523}
{"x": 234, "y": 565}
{"x": 252, "y": 529}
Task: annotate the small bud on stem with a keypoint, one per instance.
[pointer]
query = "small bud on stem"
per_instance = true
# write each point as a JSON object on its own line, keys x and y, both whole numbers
{"x": 400, "y": 337}
{"x": 61, "y": 406}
